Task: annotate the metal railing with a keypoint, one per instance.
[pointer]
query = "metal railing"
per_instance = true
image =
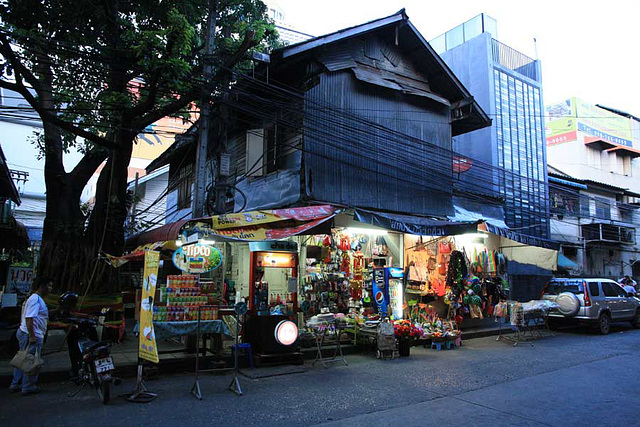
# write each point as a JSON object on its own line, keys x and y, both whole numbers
{"x": 608, "y": 233}
{"x": 516, "y": 61}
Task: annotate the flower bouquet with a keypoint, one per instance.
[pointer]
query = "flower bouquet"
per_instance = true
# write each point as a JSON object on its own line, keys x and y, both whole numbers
{"x": 406, "y": 331}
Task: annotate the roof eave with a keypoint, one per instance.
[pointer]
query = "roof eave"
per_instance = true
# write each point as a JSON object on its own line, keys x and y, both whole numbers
{"x": 357, "y": 30}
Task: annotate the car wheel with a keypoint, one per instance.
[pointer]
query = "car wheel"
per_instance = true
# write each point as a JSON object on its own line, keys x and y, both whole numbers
{"x": 635, "y": 323}
{"x": 604, "y": 324}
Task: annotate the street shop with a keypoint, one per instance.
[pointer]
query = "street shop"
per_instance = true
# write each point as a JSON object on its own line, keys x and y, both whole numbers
{"x": 343, "y": 276}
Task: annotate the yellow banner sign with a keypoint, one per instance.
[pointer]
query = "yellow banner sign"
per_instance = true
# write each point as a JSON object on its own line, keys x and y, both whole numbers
{"x": 148, "y": 349}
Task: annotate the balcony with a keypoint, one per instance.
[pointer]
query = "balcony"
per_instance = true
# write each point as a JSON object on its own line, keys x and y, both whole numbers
{"x": 516, "y": 61}
{"x": 608, "y": 233}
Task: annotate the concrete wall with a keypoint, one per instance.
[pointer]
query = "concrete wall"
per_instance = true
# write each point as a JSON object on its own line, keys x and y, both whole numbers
{"x": 575, "y": 159}
{"x": 471, "y": 62}
{"x": 152, "y": 201}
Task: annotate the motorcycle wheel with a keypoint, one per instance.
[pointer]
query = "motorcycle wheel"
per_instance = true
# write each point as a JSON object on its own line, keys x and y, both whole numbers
{"x": 104, "y": 390}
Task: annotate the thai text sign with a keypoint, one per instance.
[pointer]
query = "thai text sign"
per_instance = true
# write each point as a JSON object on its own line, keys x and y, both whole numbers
{"x": 148, "y": 349}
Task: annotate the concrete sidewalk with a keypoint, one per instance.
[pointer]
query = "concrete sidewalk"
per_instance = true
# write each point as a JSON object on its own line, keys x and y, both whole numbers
{"x": 125, "y": 357}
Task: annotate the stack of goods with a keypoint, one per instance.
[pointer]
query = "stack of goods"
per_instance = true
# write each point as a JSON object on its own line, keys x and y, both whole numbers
{"x": 184, "y": 297}
{"x": 440, "y": 330}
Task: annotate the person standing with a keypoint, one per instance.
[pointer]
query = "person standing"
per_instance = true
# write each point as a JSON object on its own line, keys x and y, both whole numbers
{"x": 33, "y": 327}
{"x": 628, "y": 284}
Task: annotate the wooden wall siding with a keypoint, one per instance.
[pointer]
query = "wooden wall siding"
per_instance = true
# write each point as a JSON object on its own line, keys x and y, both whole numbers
{"x": 351, "y": 162}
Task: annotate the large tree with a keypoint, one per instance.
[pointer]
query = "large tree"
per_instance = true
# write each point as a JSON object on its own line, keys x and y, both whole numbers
{"x": 98, "y": 73}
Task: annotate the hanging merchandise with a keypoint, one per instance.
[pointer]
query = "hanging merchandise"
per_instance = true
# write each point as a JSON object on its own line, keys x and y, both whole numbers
{"x": 457, "y": 271}
{"x": 358, "y": 276}
{"x": 444, "y": 247}
{"x": 345, "y": 263}
{"x": 344, "y": 244}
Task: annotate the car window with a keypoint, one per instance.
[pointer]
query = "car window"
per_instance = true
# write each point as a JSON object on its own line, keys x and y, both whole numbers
{"x": 620, "y": 290}
{"x": 594, "y": 289}
{"x": 557, "y": 287}
{"x": 609, "y": 289}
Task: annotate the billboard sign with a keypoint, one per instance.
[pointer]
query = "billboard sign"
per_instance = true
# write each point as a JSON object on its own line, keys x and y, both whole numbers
{"x": 575, "y": 115}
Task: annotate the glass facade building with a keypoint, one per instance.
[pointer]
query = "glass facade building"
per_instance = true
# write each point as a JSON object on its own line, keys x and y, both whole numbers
{"x": 519, "y": 127}
{"x": 510, "y": 156}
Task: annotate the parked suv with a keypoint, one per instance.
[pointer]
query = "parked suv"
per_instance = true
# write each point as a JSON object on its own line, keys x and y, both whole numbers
{"x": 596, "y": 302}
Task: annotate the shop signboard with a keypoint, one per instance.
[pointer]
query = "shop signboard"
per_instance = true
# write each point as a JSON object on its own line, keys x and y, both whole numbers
{"x": 147, "y": 347}
{"x": 273, "y": 247}
{"x": 197, "y": 258}
{"x": 575, "y": 115}
{"x": 19, "y": 279}
{"x": 276, "y": 259}
{"x": 253, "y": 218}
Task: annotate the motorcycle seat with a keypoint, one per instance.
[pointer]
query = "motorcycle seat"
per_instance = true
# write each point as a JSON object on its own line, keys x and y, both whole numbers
{"x": 87, "y": 346}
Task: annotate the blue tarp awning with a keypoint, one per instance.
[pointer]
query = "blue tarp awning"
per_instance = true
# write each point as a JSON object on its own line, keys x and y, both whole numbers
{"x": 415, "y": 224}
{"x": 566, "y": 264}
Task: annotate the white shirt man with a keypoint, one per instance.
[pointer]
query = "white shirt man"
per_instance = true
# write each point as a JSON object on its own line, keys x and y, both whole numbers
{"x": 36, "y": 309}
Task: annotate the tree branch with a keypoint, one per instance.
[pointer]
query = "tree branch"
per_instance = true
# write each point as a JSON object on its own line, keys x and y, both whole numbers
{"x": 167, "y": 110}
{"x": 87, "y": 166}
{"x": 18, "y": 66}
{"x": 23, "y": 72}
{"x": 52, "y": 118}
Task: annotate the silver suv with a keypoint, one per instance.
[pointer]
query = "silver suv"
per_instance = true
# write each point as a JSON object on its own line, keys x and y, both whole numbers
{"x": 596, "y": 302}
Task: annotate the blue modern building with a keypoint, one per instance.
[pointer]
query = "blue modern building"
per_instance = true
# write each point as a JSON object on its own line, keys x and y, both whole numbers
{"x": 508, "y": 160}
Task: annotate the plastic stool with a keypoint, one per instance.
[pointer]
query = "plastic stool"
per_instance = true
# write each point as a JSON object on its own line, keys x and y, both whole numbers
{"x": 436, "y": 345}
{"x": 247, "y": 348}
{"x": 451, "y": 345}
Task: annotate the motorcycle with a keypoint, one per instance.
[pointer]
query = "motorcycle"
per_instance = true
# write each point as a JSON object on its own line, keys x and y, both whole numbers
{"x": 96, "y": 367}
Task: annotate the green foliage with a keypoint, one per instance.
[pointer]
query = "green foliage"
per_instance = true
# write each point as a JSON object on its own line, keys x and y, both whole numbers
{"x": 108, "y": 69}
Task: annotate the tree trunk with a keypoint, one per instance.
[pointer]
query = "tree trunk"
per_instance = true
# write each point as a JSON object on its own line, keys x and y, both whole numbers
{"x": 64, "y": 255}
{"x": 105, "y": 231}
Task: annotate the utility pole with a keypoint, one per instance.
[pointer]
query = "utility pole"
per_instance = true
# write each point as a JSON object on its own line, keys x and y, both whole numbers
{"x": 200, "y": 172}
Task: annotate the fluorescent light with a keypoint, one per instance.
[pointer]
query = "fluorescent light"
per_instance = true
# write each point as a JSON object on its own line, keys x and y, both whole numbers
{"x": 206, "y": 242}
{"x": 369, "y": 231}
{"x": 476, "y": 235}
{"x": 178, "y": 243}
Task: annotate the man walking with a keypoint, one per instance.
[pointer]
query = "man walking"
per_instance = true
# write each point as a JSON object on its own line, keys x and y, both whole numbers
{"x": 33, "y": 326}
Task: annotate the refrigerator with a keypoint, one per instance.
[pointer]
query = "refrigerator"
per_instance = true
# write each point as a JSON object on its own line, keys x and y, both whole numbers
{"x": 387, "y": 291}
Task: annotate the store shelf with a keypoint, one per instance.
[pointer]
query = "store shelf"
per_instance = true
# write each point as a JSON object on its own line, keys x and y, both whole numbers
{"x": 416, "y": 292}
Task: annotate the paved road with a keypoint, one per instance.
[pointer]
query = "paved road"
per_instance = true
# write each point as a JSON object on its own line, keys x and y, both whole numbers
{"x": 573, "y": 378}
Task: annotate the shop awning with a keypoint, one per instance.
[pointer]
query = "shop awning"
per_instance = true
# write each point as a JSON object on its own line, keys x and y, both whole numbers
{"x": 566, "y": 264}
{"x": 415, "y": 224}
{"x": 260, "y": 225}
{"x": 519, "y": 237}
{"x": 164, "y": 233}
{"x": 138, "y": 253}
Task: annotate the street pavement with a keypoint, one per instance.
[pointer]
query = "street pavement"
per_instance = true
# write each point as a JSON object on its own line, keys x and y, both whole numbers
{"x": 573, "y": 378}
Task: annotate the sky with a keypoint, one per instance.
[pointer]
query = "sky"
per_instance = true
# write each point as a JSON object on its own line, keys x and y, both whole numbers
{"x": 589, "y": 49}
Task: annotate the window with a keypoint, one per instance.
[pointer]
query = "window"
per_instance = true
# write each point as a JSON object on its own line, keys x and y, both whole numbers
{"x": 620, "y": 290}
{"x": 265, "y": 150}
{"x": 626, "y": 165}
{"x": 594, "y": 289}
{"x": 573, "y": 286}
{"x": 255, "y": 152}
{"x": 609, "y": 289}
{"x": 585, "y": 207}
{"x": 594, "y": 158}
{"x": 603, "y": 208}
{"x": 184, "y": 181}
